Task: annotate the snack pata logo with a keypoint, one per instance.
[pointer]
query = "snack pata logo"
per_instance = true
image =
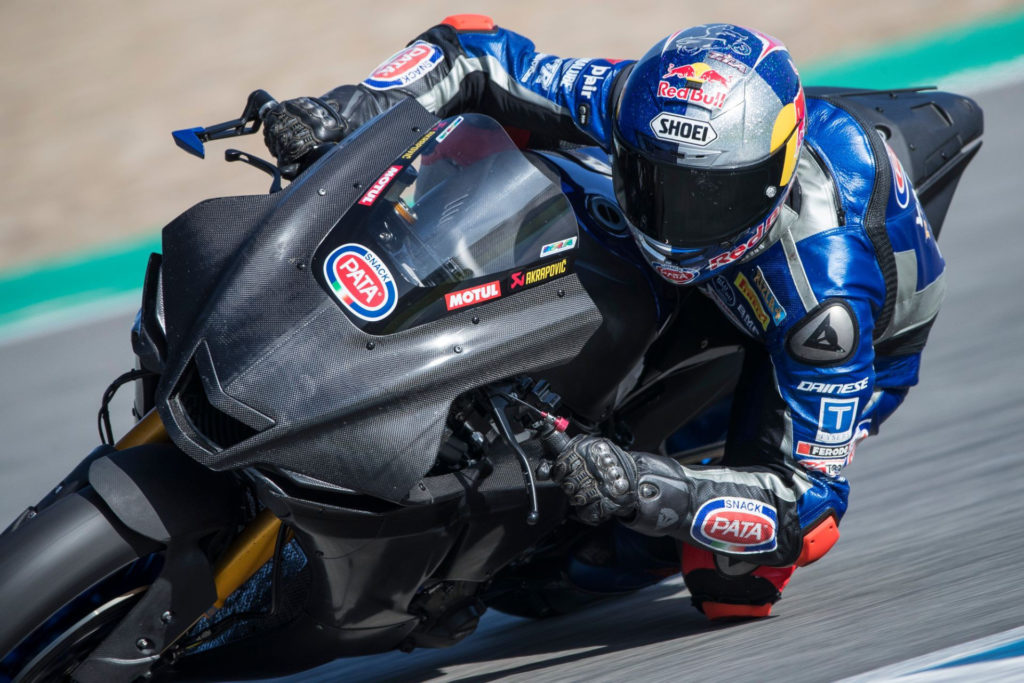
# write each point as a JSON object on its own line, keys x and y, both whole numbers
{"x": 360, "y": 280}
{"x": 405, "y": 66}
{"x": 736, "y": 525}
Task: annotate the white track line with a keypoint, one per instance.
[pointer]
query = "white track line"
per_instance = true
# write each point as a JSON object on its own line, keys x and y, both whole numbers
{"x": 923, "y": 668}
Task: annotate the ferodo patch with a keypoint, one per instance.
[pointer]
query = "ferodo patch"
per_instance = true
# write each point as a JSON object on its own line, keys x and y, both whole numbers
{"x": 736, "y": 525}
{"x": 360, "y": 280}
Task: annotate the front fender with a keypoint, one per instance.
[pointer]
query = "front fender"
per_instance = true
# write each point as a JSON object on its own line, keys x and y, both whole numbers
{"x": 161, "y": 493}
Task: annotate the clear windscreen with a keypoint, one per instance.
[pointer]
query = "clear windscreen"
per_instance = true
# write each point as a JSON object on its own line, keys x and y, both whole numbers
{"x": 462, "y": 208}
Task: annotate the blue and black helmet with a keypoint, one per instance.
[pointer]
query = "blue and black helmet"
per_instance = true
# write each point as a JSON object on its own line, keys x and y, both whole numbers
{"x": 707, "y": 134}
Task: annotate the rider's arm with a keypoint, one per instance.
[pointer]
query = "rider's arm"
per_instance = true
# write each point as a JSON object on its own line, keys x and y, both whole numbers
{"x": 467, "y": 63}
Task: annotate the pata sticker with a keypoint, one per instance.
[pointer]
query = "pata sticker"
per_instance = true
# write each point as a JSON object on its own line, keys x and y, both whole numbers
{"x": 361, "y": 281}
{"x": 677, "y": 275}
{"x": 828, "y": 335}
{"x": 405, "y": 66}
{"x": 736, "y": 525}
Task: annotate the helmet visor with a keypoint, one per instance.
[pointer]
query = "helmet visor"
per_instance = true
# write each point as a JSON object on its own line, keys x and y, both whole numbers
{"x": 694, "y": 207}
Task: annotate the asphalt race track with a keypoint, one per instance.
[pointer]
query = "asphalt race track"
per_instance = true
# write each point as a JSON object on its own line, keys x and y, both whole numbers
{"x": 931, "y": 554}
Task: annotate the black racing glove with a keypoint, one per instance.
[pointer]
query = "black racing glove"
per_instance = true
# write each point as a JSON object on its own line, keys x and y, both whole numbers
{"x": 599, "y": 477}
{"x": 294, "y": 128}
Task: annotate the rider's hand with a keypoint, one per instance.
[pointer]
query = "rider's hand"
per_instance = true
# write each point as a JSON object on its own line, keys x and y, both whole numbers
{"x": 599, "y": 477}
{"x": 294, "y": 128}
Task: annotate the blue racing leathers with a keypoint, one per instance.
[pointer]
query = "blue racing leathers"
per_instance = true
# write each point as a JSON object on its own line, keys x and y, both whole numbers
{"x": 835, "y": 327}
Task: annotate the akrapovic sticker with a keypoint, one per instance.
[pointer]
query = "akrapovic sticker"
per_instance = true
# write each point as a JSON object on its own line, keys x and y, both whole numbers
{"x": 535, "y": 276}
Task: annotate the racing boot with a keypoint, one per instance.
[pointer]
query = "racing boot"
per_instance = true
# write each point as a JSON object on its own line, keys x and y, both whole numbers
{"x": 722, "y": 587}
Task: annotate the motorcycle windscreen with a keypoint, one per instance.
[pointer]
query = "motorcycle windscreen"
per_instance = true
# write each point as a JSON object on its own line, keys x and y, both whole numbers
{"x": 444, "y": 227}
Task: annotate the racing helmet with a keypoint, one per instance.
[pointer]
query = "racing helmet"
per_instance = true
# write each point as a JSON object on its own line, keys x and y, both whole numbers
{"x": 707, "y": 134}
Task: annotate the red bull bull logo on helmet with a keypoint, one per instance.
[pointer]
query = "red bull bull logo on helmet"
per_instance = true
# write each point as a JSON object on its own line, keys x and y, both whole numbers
{"x": 361, "y": 281}
{"x": 698, "y": 83}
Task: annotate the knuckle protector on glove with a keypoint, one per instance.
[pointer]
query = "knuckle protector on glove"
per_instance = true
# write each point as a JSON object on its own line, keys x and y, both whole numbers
{"x": 598, "y": 477}
{"x": 295, "y": 127}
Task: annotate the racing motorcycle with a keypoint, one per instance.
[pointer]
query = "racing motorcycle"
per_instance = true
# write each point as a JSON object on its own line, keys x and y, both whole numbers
{"x": 344, "y": 389}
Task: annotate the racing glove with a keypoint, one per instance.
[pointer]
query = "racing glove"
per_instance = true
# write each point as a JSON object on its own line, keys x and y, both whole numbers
{"x": 599, "y": 477}
{"x": 294, "y": 128}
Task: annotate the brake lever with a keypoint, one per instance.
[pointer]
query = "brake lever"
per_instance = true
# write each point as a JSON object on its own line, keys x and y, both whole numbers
{"x": 256, "y": 162}
{"x": 191, "y": 139}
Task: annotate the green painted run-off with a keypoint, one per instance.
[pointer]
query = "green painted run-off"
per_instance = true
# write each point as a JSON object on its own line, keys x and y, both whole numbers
{"x": 928, "y": 59}
{"x": 100, "y": 275}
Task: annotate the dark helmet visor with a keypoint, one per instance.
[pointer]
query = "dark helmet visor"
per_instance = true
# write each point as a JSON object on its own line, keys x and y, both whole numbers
{"x": 694, "y": 207}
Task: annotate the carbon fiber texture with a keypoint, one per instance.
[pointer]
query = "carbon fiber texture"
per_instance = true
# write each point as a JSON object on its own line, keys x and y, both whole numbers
{"x": 368, "y": 419}
{"x": 372, "y": 420}
{"x": 197, "y": 247}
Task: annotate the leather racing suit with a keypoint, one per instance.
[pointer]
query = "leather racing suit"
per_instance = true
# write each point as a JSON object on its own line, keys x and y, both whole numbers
{"x": 836, "y": 301}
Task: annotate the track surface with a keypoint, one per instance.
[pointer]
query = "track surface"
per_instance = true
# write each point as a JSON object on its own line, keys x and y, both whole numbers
{"x": 931, "y": 550}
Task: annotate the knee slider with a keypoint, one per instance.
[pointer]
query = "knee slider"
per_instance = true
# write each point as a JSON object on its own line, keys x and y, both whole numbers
{"x": 818, "y": 540}
{"x": 724, "y": 588}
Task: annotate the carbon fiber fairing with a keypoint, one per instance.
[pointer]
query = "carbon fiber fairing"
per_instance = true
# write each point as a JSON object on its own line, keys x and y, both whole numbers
{"x": 286, "y": 368}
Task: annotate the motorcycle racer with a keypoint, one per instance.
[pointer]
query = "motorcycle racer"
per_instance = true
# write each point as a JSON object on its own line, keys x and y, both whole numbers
{"x": 792, "y": 216}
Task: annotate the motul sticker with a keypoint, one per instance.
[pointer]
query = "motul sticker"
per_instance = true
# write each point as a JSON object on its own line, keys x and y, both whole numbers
{"x": 379, "y": 186}
{"x": 472, "y": 295}
{"x": 736, "y": 525}
{"x": 405, "y": 66}
{"x": 361, "y": 282}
